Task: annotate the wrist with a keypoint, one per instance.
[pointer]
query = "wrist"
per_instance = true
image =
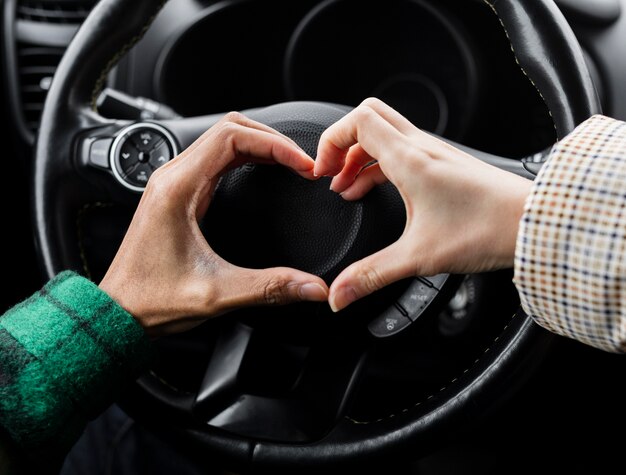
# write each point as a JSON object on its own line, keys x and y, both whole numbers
{"x": 514, "y": 192}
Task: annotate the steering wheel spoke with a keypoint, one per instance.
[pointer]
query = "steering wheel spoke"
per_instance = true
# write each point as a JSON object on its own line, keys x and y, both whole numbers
{"x": 187, "y": 129}
{"x": 264, "y": 403}
{"x": 92, "y": 160}
{"x": 330, "y": 377}
{"x": 117, "y": 158}
{"x": 527, "y": 167}
{"x": 219, "y": 385}
{"x": 241, "y": 393}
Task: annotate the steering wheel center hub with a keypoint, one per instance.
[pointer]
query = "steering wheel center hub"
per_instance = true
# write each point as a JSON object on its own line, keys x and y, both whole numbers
{"x": 267, "y": 216}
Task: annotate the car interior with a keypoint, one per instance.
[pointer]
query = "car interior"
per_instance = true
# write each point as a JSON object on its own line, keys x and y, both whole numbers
{"x": 435, "y": 375}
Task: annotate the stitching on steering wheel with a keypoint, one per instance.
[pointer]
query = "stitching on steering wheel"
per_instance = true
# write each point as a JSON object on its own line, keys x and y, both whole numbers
{"x": 121, "y": 52}
{"x": 98, "y": 86}
{"x": 99, "y": 205}
{"x": 492, "y": 6}
{"x": 443, "y": 388}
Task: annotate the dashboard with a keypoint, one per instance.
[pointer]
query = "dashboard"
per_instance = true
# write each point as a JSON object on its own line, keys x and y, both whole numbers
{"x": 445, "y": 64}
{"x": 202, "y": 57}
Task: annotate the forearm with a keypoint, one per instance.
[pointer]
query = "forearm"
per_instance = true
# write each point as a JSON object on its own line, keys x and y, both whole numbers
{"x": 64, "y": 354}
{"x": 570, "y": 266}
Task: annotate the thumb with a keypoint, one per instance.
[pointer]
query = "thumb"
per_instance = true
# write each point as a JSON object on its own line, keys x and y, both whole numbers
{"x": 370, "y": 274}
{"x": 275, "y": 286}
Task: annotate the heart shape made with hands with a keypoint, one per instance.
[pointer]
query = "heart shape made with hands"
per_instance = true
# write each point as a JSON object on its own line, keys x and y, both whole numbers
{"x": 266, "y": 216}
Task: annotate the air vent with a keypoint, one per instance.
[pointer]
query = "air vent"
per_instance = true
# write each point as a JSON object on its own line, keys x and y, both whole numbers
{"x": 68, "y": 12}
{"x": 36, "y": 66}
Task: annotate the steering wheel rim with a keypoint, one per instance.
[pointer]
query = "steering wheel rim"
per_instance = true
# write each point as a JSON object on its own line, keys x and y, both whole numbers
{"x": 62, "y": 188}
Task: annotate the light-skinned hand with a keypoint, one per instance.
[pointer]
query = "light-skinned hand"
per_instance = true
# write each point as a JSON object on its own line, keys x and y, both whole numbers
{"x": 462, "y": 214}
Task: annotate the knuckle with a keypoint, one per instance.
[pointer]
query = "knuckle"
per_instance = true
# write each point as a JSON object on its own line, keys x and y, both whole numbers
{"x": 326, "y": 137}
{"x": 371, "y": 279}
{"x": 161, "y": 173}
{"x": 165, "y": 188}
{"x": 372, "y": 102}
{"x": 157, "y": 176}
{"x": 226, "y": 131}
{"x": 364, "y": 113}
{"x": 234, "y": 117}
{"x": 275, "y": 291}
{"x": 228, "y": 128}
{"x": 158, "y": 182}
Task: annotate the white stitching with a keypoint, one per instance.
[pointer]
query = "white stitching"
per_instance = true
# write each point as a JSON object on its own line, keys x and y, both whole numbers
{"x": 493, "y": 8}
{"x": 121, "y": 52}
{"x": 506, "y": 32}
{"x": 404, "y": 410}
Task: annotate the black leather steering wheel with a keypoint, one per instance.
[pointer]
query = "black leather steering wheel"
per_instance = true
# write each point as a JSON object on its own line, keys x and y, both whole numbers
{"x": 309, "y": 424}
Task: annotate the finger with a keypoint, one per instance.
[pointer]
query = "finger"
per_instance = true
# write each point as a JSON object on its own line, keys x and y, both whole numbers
{"x": 236, "y": 118}
{"x": 363, "y": 126}
{"x": 356, "y": 159}
{"x": 241, "y": 119}
{"x": 275, "y": 286}
{"x": 239, "y": 144}
{"x": 265, "y": 148}
{"x": 369, "y": 178}
{"x": 392, "y": 116}
{"x": 369, "y": 275}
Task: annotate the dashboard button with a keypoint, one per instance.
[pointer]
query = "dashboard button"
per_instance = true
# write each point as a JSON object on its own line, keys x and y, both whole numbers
{"x": 437, "y": 281}
{"x": 146, "y": 139}
{"x": 160, "y": 155}
{"x": 417, "y": 298}
{"x": 129, "y": 157}
{"x": 139, "y": 175}
{"x": 138, "y": 150}
{"x": 389, "y": 323}
{"x": 99, "y": 152}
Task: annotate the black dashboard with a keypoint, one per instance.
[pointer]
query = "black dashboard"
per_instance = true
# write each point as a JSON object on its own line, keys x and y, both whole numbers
{"x": 440, "y": 63}
{"x": 445, "y": 64}
{"x": 202, "y": 57}
{"x": 210, "y": 57}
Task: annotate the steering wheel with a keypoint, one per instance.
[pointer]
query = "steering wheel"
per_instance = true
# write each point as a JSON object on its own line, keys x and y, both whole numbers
{"x": 301, "y": 410}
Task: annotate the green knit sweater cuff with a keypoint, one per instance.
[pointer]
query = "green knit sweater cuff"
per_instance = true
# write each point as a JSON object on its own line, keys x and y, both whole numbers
{"x": 64, "y": 355}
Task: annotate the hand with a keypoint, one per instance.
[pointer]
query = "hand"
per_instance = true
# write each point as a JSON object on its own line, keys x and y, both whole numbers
{"x": 165, "y": 274}
{"x": 462, "y": 214}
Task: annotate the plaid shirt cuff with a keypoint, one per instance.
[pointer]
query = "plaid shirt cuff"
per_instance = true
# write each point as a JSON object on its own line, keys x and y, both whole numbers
{"x": 64, "y": 354}
{"x": 570, "y": 263}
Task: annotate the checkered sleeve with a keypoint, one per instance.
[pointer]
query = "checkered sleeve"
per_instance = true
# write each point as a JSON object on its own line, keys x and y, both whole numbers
{"x": 570, "y": 262}
{"x": 64, "y": 354}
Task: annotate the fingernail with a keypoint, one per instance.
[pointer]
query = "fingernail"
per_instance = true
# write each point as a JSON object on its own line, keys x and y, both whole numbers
{"x": 342, "y": 298}
{"x": 332, "y": 185}
{"x": 313, "y": 292}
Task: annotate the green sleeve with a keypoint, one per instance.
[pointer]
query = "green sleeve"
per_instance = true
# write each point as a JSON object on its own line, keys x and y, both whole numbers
{"x": 64, "y": 355}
